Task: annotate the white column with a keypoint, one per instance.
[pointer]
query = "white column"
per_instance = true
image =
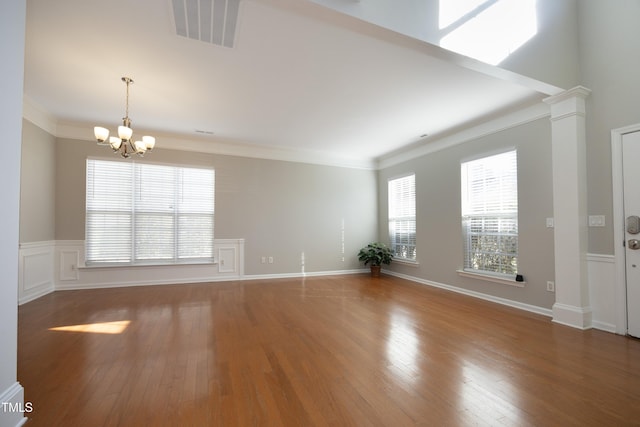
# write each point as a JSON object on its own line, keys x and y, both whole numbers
{"x": 570, "y": 207}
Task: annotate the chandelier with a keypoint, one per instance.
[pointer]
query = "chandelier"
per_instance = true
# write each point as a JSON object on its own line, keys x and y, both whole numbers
{"x": 123, "y": 143}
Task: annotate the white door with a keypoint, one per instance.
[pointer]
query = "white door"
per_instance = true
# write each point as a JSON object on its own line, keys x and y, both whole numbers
{"x": 631, "y": 177}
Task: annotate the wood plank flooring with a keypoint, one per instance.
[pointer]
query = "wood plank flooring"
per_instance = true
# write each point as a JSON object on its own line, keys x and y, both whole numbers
{"x": 339, "y": 351}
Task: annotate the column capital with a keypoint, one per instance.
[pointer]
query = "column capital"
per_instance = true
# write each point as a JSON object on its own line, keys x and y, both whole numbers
{"x": 568, "y": 103}
{"x": 576, "y": 92}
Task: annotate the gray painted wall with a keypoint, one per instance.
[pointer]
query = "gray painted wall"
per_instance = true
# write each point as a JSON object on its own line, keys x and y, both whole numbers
{"x": 439, "y": 230}
{"x": 282, "y": 209}
{"x": 37, "y": 184}
{"x": 610, "y": 63}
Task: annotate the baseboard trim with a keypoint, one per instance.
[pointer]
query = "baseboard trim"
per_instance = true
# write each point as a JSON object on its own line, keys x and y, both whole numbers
{"x": 35, "y": 295}
{"x": 12, "y": 406}
{"x": 503, "y": 301}
{"x": 72, "y": 287}
{"x": 300, "y": 275}
{"x": 603, "y": 326}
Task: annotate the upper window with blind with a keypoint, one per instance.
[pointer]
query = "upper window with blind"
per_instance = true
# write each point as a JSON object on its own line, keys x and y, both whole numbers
{"x": 402, "y": 217}
{"x": 490, "y": 214}
{"x": 142, "y": 214}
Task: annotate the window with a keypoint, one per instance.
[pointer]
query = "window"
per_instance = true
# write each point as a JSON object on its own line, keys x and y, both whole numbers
{"x": 148, "y": 214}
{"x": 402, "y": 217}
{"x": 490, "y": 214}
{"x": 488, "y": 30}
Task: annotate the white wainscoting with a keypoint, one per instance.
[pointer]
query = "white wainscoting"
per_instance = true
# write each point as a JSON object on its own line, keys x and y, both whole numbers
{"x": 58, "y": 265}
{"x": 601, "y": 270}
{"x": 36, "y": 270}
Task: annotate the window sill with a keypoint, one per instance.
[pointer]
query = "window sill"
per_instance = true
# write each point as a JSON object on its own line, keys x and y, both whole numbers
{"x": 404, "y": 261}
{"x": 490, "y": 278}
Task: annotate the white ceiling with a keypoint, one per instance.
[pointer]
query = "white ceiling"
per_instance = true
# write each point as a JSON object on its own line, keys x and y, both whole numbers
{"x": 300, "y": 77}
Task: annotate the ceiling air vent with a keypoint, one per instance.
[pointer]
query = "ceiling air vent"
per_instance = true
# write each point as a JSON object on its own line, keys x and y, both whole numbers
{"x": 211, "y": 21}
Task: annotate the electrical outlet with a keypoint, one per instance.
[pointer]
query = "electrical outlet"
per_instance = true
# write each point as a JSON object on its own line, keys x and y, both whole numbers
{"x": 551, "y": 286}
{"x": 270, "y": 260}
{"x": 263, "y": 260}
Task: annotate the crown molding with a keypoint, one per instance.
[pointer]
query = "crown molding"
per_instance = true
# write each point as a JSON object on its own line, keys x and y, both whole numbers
{"x": 228, "y": 147}
{"x": 38, "y": 116}
{"x": 210, "y": 145}
{"x": 508, "y": 121}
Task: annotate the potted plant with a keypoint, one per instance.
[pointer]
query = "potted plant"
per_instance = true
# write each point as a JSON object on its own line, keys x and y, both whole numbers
{"x": 375, "y": 254}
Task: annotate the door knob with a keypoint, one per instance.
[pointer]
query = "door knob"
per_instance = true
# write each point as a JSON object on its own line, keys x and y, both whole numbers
{"x": 633, "y": 244}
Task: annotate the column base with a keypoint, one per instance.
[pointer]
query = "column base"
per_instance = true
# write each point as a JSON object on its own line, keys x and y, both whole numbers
{"x": 569, "y": 315}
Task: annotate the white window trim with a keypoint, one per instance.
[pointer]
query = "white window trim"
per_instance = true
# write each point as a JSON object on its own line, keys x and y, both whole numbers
{"x": 497, "y": 278}
{"x": 408, "y": 261}
{"x": 486, "y": 274}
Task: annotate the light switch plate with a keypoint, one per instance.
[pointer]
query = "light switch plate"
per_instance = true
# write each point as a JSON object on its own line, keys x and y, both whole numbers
{"x": 596, "y": 220}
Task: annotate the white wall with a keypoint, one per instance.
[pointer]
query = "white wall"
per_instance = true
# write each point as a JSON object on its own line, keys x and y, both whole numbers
{"x": 12, "y": 29}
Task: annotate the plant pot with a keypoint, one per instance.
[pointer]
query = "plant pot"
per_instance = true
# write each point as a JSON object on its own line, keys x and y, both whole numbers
{"x": 375, "y": 270}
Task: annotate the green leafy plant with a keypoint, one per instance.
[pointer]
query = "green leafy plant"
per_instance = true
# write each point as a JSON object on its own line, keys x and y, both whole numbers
{"x": 376, "y": 254}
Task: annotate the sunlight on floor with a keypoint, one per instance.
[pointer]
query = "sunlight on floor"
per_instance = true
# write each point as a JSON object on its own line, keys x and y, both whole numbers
{"x": 487, "y": 30}
{"x": 487, "y": 396}
{"x": 96, "y": 328}
{"x": 402, "y": 347}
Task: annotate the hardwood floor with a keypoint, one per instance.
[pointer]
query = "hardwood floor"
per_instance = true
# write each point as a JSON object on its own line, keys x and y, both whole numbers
{"x": 340, "y": 350}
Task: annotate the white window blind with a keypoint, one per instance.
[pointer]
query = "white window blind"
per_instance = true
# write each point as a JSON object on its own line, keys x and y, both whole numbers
{"x": 148, "y": 214}
{"x": 490, "y": 213}
{"x": 402, "y": 217}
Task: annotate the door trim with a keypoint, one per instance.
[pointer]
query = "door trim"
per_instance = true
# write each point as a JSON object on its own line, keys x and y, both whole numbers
{"x": 618, "y": 225}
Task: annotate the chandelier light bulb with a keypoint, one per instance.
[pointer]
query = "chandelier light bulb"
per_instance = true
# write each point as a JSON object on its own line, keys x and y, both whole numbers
{"x": 149, "y": 142}
{"x": 125, "y": 133}
{"x": 140, "y": 147}
{"x": 101, "y": 133}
